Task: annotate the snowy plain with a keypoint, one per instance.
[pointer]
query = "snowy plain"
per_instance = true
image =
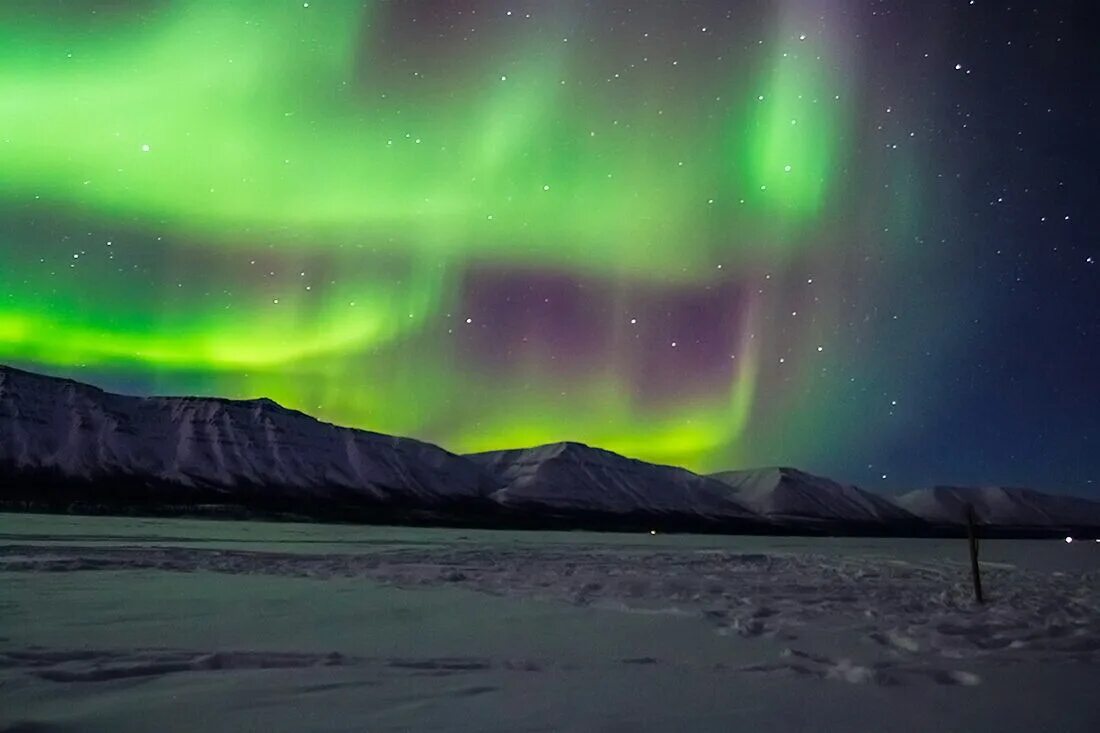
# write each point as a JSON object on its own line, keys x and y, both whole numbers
{"x": 125, "y": 624}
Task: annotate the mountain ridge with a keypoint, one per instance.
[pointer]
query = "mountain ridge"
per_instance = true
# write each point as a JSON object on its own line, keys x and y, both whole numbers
{"x": 1000, "y": 506}
{"x": 212, "y": 445}
{"x": 785, "y": 492}
{"x": 70, "y": 446}
{"x": 558, "y": 475}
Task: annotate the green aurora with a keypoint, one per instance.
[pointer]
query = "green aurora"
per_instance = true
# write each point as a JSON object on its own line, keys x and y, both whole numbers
{"x": 283, "y": 199}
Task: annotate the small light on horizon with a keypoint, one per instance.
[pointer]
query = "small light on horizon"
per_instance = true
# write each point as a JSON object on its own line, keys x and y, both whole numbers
{"x": 653, "y": 531}
{"x": 1069, "y": 540}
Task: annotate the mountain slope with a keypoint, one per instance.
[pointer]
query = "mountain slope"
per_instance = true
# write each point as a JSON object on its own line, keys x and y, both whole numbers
{"x": 572, "y": 476}
{"x": 787, "y": 493}
{"x": 59, "y": 433}
{"x": 67, "y": 446}
{"x": 1001, "y": 506}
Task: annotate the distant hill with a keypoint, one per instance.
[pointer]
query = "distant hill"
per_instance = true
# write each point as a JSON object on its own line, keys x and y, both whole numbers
{"x": 576, "y": 477}
{"x": 1001, "y": 507}
{"x": 793, "y": 495}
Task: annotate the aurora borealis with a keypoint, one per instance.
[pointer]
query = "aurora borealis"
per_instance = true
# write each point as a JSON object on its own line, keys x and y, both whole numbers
{"x": 811, "y": 232}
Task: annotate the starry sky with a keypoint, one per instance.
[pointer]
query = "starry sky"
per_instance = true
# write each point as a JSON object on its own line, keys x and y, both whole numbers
{"x": 852, "y": 236}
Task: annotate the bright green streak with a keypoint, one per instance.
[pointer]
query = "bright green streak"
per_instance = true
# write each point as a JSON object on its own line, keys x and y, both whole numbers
{"x": 785, "y": 149}
{"x": 91, "y": 326}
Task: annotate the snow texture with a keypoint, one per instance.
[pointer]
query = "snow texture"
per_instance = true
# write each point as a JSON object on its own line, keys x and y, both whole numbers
{"x": 922, "y": 613}
{"x": 123, "y": 624}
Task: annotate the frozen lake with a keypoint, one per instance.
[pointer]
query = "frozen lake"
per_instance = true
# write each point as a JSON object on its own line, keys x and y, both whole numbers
{"x": 117, "y": 624}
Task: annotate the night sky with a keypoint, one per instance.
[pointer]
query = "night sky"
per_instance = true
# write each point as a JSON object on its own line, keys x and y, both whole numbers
{"x": 855, "y": 237}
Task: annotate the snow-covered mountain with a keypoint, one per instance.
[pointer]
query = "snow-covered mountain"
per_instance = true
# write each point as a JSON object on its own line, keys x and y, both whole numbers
{"x": 790, "y": 494}
{"x": 56, "y": 432}
{"x": 1000, "y": 506}
{"x": 70, "y": 446}
{"x": 573, "y": 476}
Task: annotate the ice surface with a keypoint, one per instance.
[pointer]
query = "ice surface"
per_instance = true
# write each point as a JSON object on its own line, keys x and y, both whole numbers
{"x": 122, "y": 624}
{"x": 923, "y": 610}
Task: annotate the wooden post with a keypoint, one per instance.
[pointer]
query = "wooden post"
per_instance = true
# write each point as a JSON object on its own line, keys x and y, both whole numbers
{"x": 972, "y": 540}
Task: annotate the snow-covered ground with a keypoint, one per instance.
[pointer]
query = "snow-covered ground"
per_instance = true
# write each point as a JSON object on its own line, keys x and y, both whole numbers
{"x": 141, "y": 624}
